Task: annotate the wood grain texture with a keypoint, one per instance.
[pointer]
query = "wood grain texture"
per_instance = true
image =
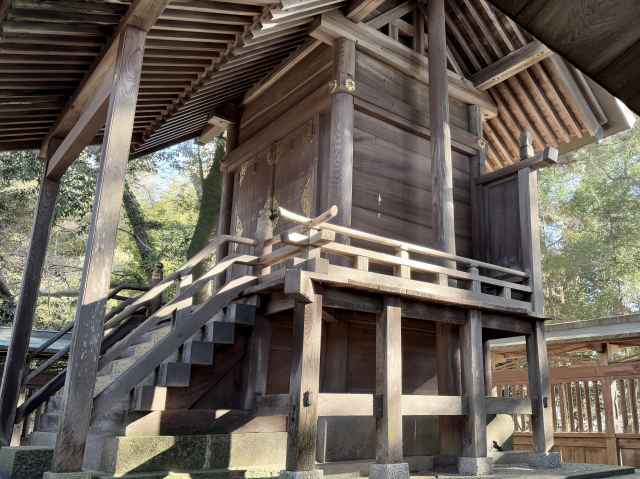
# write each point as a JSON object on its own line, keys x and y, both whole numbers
{"x": 304, "y": 385}
{"x": 389, "y": 382}
{"x": 96, "y": 277}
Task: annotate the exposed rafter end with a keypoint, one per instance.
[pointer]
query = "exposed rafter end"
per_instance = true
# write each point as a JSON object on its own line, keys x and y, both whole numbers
{"x": 215, "y": 127}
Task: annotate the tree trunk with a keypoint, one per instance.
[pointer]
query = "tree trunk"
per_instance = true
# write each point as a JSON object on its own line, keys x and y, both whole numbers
{"x": 207, "y": 217}
{"x": 141, "y": 238}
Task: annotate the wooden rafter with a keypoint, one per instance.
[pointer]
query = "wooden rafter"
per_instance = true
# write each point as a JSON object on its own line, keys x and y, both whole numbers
{"x": 358, "y": 10}
{"x": 142, "y": 15}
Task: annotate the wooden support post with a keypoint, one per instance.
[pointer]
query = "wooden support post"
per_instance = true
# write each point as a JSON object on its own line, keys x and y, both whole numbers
{"x": 257, "y": 363}
{"x": 304, "y": 387}
{"x": 226, "y": 201}
{"x": 419, "y": 36}
{"x": 539, "y": 390}
{"x": 489, "y": 387}
{"x": 442, "y": 170}
{"x": 340, "y": 171}
{"x": 530, "y": 226}
{"x": 448, "y": 368}
{"x": 14, "y": 366}
{"x": 96, "y": 276}
{"x": 388, "y": 408}
{"x": 475, "y": 433}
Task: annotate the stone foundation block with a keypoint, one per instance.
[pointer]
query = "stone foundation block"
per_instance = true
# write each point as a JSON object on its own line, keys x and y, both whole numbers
{"x": 475, "y": 466}
{"x": 389, "y": 471}
{"x": 24, "y": 462}
{"x": 314, "y": 474}
{"x": 548, "y": 460}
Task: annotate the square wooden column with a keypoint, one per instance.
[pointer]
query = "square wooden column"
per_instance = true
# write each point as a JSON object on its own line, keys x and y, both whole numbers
{"x": 540, "y": 396}
{"x": 21, "y": 332}
{"x": 304, "y": 388}
{"x": 474, "y": 459}
{"x": 96, "y": 275}
{"x": 388, "y": 397}
{"x": 256, "y": 366}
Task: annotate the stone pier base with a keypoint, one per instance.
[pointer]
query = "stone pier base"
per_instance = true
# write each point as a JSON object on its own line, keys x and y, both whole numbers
{"x": 389, "y": 471}
{"x": 475, "y": 466}
{"x": 314, "y": 474}
{"x": 24, "y": 462}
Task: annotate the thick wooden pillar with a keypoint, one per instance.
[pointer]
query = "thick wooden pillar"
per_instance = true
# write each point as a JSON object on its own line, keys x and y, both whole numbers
{"x": 257, "y": 362}
{"x": 340, "y": 164}
{"x": 441, "y": 166}
{"x": 23, "y": 322}
{"x": 304, "y": 387}
{"x": 474, "y": 445}
{"x": 96, "y": 276}
{"x": 539, "y": 390}
{"x": 389, "y": 452}
{"x": 449, "y": 384}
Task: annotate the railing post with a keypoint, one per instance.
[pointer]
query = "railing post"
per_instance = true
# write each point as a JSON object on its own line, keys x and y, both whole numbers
{"x": 403, "y": 271}
{"x": 389, "y": 454}
{"x": 23, "y": 320}
{"x": 304, "y": 387}
{"x": 608, "y": 393}
{"x": 94, "y": 287}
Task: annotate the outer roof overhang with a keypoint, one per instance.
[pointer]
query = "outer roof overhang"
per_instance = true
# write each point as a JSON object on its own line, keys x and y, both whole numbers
{"x": 601, "y": 38}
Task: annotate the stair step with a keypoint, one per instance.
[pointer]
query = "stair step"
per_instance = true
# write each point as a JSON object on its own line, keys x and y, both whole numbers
{"x": 118, "y": 366}
{"x": 55, "y": 403}
{"x": 49, "y": 422}
{"x": 102, "y": 381}
{"x": 174, "y": 374}
{"x": 195, "y": 453}
{"x": 220, "y": 332}
{"x": 198, "y": 352}
{"x": 149, "y": 398}
{"x": 239, "y": 313}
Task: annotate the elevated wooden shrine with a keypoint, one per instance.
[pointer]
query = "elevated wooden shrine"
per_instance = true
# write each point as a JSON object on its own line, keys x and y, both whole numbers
{"x": 378, "y": 226}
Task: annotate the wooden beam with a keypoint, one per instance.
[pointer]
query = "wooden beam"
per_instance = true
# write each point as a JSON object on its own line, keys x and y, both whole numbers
{"x": 340, "y": 164}
{"x": 83, "y": 132}
{"x": 358, "y": 10}
{"x": 548, "y": 157}
{"x": 390, "y": 15}
{"x": 142, "y": 14}
{"x": 510, "y": 65}
{"x": 389, "y": 383}
{"x": 304, "y": 386}
{"x": 215, "y": 127}
{"x": 540, "y": 390}
{"x": 332, "y": 405}
{"x": 334, "y": 25}
{"x": 14, "y": 367}
{"x": 500, "y": 405}
{"x": 257, "y": 362}
{"x": 427, "y": 405}
{"x": 96, "y": 277}
{"x": 567, "y": 83}
{"x": 475, "y": 432}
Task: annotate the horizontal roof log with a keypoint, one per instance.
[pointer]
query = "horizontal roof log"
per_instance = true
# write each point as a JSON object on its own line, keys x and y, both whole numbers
{"x": 142, "y": 14}
{"x": 510, "y": 65}
{"x": 334, "y": 25}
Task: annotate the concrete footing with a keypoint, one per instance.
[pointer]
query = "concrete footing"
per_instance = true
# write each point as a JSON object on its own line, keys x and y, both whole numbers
{"x": 475, "y": 466}
{"x": 313, "y": 474}
{"x": 24, "y": 462}
{"x": 389, "y": 471}
{"x": 547, "y": 460}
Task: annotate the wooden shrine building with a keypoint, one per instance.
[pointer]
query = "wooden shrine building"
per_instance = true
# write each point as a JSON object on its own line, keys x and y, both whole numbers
{"x": 378, "y": 226}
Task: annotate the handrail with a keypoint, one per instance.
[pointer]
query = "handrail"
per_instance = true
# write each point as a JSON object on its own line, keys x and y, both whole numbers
{"x": 397, "y": 244}
{"x": 53, "y": 339}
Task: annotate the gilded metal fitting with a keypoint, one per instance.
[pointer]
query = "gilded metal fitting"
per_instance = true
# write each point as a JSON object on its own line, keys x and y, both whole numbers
{"x": 348, "y": 86}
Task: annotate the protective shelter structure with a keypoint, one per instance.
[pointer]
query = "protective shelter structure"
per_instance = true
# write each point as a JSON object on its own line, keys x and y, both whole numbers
{"x": 378, "y": 225}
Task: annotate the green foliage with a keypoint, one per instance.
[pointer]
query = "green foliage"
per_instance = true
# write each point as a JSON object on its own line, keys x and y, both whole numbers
{"x": 590, "y": 207}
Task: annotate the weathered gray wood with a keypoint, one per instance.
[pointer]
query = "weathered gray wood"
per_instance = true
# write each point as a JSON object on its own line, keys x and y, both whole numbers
{"x": 539, "y": 389}
{"x": 530, "y": 235}
{"x": 358, "y": 10}
{"x": 475, "y": 432}
{"x": 496, "y": 405}
{"x": 548, "y": 157}
{"x": 23, "y": 323}
{"x": 444, "y": 235}
{"x": 94, "y": 287}
{"x": 489, "y": 388}
{"x": 346, "y": 405}
{"x": 340, "y": 186}
{"x": 448, "y": 371}
{"x": 304, "y": 385}
{"x": 510, "y": 65}
{"x": 389, "y": 382}
{"x": 419, "y": 36}
{"x": 426, "y": 405}
{"x": 257, "y": 362}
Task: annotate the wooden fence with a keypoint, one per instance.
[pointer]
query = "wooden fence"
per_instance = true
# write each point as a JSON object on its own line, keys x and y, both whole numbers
{"x": 596, "y": 412}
